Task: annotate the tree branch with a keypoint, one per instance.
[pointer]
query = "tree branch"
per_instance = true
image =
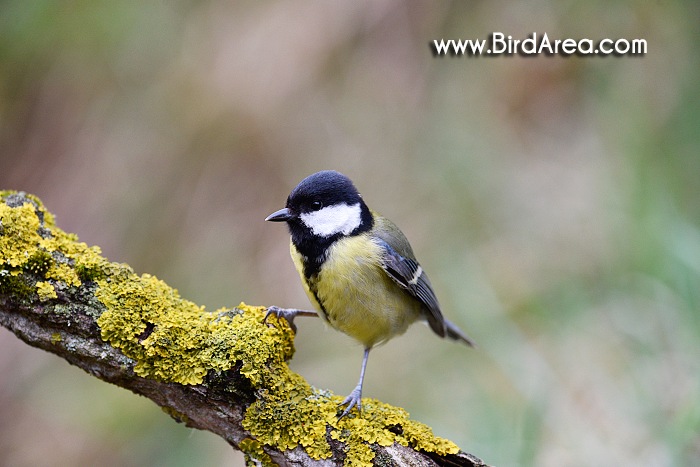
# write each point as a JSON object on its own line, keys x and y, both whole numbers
{"x": 222, "y": 371}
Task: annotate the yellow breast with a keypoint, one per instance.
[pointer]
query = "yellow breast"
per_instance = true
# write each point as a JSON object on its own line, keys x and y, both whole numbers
{"x": 356, "y": 294}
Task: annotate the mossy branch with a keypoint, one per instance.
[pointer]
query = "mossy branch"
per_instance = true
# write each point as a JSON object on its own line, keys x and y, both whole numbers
{"x": 223, "y": 371}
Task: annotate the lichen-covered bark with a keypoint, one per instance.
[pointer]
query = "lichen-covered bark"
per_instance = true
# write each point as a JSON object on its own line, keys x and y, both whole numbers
{"x": 223, "y": 371}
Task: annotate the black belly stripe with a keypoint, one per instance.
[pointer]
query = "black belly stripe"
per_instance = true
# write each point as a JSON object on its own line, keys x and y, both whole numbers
{"x": 312, "y": 288}
{"x": 311, "y": 267}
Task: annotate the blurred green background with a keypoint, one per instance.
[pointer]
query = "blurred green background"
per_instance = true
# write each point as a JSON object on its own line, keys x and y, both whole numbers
{"x": 553, "y": 201}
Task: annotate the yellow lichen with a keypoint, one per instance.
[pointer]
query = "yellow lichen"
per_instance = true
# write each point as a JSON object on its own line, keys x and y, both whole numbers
{"x": 293, "y": 413}
{"x": 45, "y": 290}
{"x": 29, "y": 237}
{"x": 20, "y": 234}
{"x": 255, "y": 455}
{"x": 385, "y": 425}
{"x": 172, "y": 339}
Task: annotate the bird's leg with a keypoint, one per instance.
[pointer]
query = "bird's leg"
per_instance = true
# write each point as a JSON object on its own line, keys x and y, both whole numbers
{"x": 287, "y": 313}
{"x": 355, "y": 397}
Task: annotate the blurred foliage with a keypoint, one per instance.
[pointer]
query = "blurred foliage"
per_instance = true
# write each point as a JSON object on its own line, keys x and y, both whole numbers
{"x": 552, "y": 200}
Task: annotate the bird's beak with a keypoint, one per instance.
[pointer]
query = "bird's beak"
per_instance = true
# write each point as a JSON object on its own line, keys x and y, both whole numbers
{"x": 282, "y": 215}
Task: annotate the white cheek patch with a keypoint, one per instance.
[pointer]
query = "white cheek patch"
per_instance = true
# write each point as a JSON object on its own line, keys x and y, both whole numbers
{"x": 331, "y": 220}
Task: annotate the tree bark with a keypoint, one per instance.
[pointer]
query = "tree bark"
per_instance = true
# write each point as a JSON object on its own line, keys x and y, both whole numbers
{"x": 46, "y": 310}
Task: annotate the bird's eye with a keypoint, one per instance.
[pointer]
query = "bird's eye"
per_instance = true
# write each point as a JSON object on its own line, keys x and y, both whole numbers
{"x": 316, "y": 205}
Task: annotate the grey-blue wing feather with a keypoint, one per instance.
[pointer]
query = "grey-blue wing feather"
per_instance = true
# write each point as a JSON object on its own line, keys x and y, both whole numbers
{"x": 408, "y": 274}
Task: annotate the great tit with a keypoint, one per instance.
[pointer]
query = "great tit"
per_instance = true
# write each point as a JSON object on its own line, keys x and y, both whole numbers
{"x": 357, "y": 268}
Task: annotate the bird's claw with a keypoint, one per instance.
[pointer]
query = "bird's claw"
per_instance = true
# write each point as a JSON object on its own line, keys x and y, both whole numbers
{"x": 353, "y": 400}
{"x": 286, "y": 313}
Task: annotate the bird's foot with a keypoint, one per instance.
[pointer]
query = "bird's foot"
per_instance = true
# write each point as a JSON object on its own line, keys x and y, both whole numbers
{"x": 288, "y": 314}
{"x": 353, "y": 400}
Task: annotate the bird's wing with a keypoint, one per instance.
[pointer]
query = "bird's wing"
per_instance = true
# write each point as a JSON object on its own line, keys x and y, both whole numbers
{"x": 409, "y": 275}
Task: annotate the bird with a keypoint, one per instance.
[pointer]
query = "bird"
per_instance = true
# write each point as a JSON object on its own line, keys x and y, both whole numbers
{"x": 357, "y": 269}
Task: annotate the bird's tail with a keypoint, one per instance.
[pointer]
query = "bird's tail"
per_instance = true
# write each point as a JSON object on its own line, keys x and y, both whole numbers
{"x": 453, "y": 332}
